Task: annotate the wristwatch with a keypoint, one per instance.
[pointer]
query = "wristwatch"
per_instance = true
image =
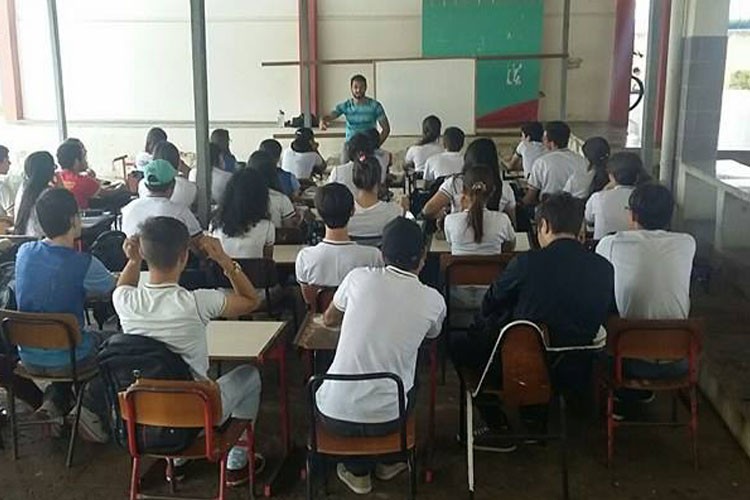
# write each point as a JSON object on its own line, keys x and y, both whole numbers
{"x": 236, "y": 268}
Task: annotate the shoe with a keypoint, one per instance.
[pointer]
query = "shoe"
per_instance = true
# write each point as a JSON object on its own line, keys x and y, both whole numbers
{"x": 640, "y": 396}
{"x": 179, "y": 469}
{"x": 90, "y": 426}
{"x": 361, "y": 485}
{"x": 237, "y": 471}
{"x": 488, "y": 440}
{"x": 386, "y": 472}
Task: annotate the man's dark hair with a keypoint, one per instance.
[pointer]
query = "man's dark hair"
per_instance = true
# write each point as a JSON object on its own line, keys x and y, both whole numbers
{"x": 533, "y": 130}
{"x": 214, "y": 154}
{"x": 453, "y": 137}
{"x": 358, "y": 78}
{"x": 165, "y": 150}
{"x": 563, "y": 213}
{"x": 163, "y": 241}
{"x": 68, "y": 152}
{"x": 374, "y": 137}
{"x": 4, "y": 152}
{"x": 55, "y": 209}
{"x": 403, "y": 244}
{"x": 220, "y": 137}
{"x": 652, "y": 205}
{"x": 154, "y": 136}
{"x": 272, "y": 147}
{"x": 335, "y": 205}
{"x": 625, "y": 167}
{"x": 558, "y": 132}
{"x": 359, "y": 146}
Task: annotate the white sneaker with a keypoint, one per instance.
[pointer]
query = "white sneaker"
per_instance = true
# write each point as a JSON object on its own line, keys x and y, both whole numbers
{"x": 386, "y": 472}
{"x": 361, "y": 485}
{"x": 90, "y": 426}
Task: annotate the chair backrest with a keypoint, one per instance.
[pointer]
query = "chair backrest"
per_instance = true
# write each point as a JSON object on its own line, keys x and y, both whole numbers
{"x": 317, "y": 298}
{"x": 40, "y": 330}
{"x": 290, "y": 236}
{"x": 655, "y": 340}
{"x": 525, "y": 374}
{"x": 107, "y": 247}
{"x": 315, "y": 381}
{"x": 473, "y": 269}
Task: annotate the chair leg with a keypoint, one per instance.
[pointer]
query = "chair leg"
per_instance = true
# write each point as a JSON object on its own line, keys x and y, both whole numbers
{"x": 223, "y": 477}
{"x": 76, "y": 419}
{"x": 462, "y": 411}
{"x": 694, "y": 424}
{"x": 412, "y": 474}
{"x": 470, "y": 442}
{"x": 250, "y": 438}
{"x": 308, "y": 477}
{"x": 13, "y": 420}
{"x": 564, "y": 447}
{"x": 170, "y": 476}
{"x": 610, "y": 425}
{"x": 134, "y": 477}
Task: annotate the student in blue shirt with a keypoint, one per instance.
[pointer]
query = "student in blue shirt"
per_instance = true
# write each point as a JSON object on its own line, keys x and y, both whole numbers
{"x": 220, "y": 137}
{"x": 53, "y": 277}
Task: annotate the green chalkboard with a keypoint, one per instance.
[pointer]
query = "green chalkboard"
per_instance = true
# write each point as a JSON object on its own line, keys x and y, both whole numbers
{"x": 489, "y": 27}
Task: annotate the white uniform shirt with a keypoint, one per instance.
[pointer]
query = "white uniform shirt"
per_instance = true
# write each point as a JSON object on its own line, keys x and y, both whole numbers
{"x": 328, "y": 262}
{"x": 344, "y": 174}
{"x": 453, "y": 188}
{"x": 551, "y": 171}
{"x": 172, "y": 315}
{"x": 369, "y": 222}
{"x": 497, "y": 230}
{"x": 249, "y": 245}
{"x": 184, "y": 192}
{"x": 279, "y": 207}
{"x": 529, "y": 151}
{"x": 607, "y": 211}
{"x": 219, "y": 180}
{"x": 652, "y": 272}
{"x": 387, "y": 314}
{"x": 579, "y": 184}
{"x": 300, "y": 164}
{"x": 419, "y": 153}
{"x": 7, "y": 197}
{"x": 443, "y": 165}
{"x": 137, "y": 211}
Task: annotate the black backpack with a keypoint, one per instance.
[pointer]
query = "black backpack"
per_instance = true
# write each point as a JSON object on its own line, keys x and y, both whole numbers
{"x": 122, "y": 358}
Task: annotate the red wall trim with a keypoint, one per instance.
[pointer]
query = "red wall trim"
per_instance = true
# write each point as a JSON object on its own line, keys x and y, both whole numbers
{"x": 10, "y": 74}
{"x": 312, "y": 16}
{"x": 622, "y": 62}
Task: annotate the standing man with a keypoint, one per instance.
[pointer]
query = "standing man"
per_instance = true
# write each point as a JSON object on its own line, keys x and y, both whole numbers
{"x": 361, "y": 112}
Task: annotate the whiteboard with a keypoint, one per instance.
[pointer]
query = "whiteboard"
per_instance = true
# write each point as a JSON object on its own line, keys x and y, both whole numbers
{"x": 412, "y": 90}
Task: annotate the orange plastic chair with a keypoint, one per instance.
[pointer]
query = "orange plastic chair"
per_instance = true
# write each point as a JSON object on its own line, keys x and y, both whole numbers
{"x": 655, "y": 340}
{"x": 183, "y": 404}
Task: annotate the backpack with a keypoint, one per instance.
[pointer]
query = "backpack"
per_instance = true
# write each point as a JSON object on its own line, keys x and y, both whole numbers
{"x": 122, "y": 358}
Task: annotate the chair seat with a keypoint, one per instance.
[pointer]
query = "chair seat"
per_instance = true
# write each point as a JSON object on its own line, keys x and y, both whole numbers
{"x": 223, "y": 441}
{"x": 85, "y": 375}
{"x": 334, "y": 444}
{"x": 656, "y": 385}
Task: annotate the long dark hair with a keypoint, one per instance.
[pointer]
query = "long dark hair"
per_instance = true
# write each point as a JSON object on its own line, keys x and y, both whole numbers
{"x": 303, "y": 139}
{"x": 482, "y": 151}
{"x": 596, "y": 150}
{"x": 430, "y": 130}
{"x": 40, "y": 170}
{"x": 366, "y": 173}
{"x": 165, "y": 150}
{"x": 479, "y": 185}
{"x": 261, "y": 162}
{"x": 244, "y": 204}
{"x": 154, "y": 136}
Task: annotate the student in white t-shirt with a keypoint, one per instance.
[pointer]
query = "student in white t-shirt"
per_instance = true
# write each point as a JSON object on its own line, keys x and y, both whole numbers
{"x": 159, "y": 177}
{"x": 302, "y": 158}
{"x": 184, "y": 191}
{"x": 39, "y": 174}
{"x": 482, "y": 151}
{"x": 154, "y": 136}
{"x": 451, "y": 161}
{"x": 7, "y": 193}
{"x": 652, "y": 273}
{"x": 280, "y": 208}
{"x": 370, "y": 213}
{"x": 358, "y": 147}
{"x": 385, "y": 314}
{"x": 596, "y": 177}
{"x": 607, "y": 210}
{"x": 529, "y": 149}
{"x": 161, "y": 309}
{"x": 428, "y": 145}
{"x": 551, "y": 171}
{"x": 219, "y": 176}
{"x": 328, "y": 262}
{"x": 242, "y": 223}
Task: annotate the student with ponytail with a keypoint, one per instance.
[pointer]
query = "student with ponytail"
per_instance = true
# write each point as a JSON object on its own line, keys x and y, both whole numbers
{"x": 596, "y": 177}
{"x": 370, "y": 213}
{"x": 428, "y": 145}
{"x": 39, "y": 169}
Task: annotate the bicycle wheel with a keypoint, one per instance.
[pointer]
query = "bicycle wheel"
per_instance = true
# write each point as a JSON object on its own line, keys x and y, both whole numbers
{"x": 641, "y": 89}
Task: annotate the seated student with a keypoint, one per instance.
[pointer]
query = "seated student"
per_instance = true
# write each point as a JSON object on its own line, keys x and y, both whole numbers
{"x": 280, "y": 207}
{"x": 370, "y": 213}
{"x": 384, "y": 157}
{"x": 302, "y": 159}
{"x": 219, "y": 176}
{"x": 220, "y": 137}
{"x": 242, "y": 223}
{"x": 481, "y": 151}
{"x": 163, "y": 310}
{"x": 159, "y": 177}
{"x": 385, "y": 314}
{"x": 53, "y": 277}
{"x": 652, "y": 274}
{"x": 607, "y": 210}
{"x": 76, "y": 176}
{"x": 596, "y": 177}
{"x": 451, "y": 161}
{"x": 184, "y": 191}
{"x": 154, "y": 136}
{"x": 358, "y": 147}
{"x": 562, "y": 286}
{"x": 39, "y": 170}
{"x": 529, "y": 149}
{"x": 6, "y": 190}
{"x": 288, "y": 182}
{"x": 551, "y": 171}
{"x": 328, "y": 262}
{"x": 428, "y": 145}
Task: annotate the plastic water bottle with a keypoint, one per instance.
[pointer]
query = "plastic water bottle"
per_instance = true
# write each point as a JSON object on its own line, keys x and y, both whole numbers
{"x": 280, "y": 118}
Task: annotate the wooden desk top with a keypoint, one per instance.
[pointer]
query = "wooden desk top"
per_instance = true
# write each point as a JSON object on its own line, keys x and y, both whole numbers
{"x": 286, "y": 254}
{"x": 315, "y": 336}
{"x": 442, "y": 246}
{"x": 241, "y": 340}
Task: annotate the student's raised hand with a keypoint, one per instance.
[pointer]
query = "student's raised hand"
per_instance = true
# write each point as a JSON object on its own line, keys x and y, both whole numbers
{"x": 405, "y": 203}
{"x": 132, "y": 248}
{"x": 213, "y": 250}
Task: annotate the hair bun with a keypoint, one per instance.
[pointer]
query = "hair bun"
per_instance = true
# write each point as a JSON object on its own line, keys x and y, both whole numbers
{"x": 479, "y": 186}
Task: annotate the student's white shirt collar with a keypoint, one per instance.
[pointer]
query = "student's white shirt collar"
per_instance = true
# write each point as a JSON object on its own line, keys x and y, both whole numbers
{"x": 401, "y": 273}
{"x": 339, "y": 243}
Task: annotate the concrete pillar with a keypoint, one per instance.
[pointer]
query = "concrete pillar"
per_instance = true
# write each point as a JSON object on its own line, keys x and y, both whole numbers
{"x": 703, "y": 61}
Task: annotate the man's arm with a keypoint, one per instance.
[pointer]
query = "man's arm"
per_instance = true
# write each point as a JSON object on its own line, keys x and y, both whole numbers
{"x": 132, "y": 271}
{"x": 502, "y": 295}
{"x": 245, "y": 298}
{"x": 385, "y": 126}
{"x": 333, "y": 317}
{"x": 327, "y": 119}
{"x": 531, "y": 197}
